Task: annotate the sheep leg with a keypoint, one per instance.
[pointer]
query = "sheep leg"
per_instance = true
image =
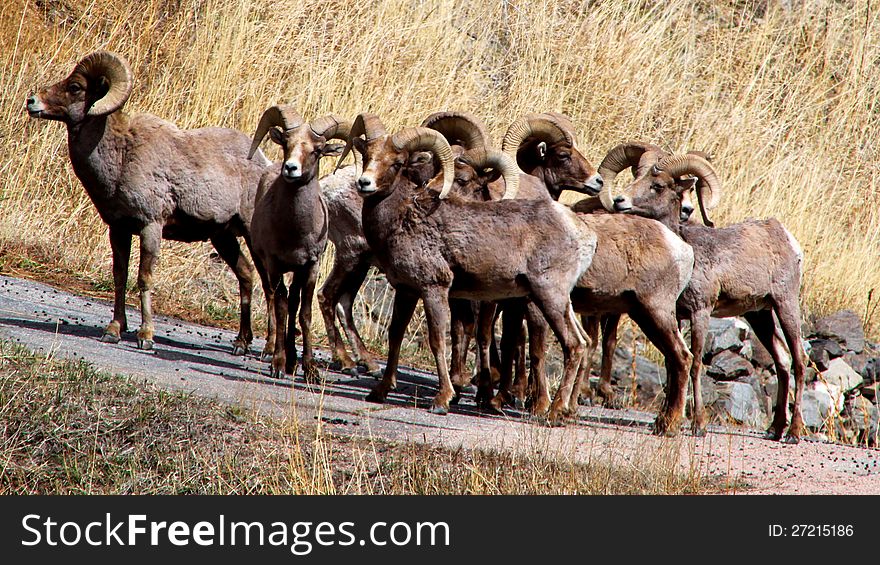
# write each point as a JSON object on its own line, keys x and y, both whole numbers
{"x": 462, "y": 328}
{"x": 328, "y": 298}
{"x": 582, "y": 385}
{"x": 230, "y": 251}
{"x": 404, "y": 306}
{"x": 269, "y": 349}
{"x": 511, "y": 330}
{"x": 520, "y": 390}
{"x": 294, "y": 292}
{"x": 485, "y": 327}
{"x": 559, "y": 314}
{"x": 540, "y": 391}
{"x": 606, "y": 392}
{"x": 765, "y": 330}
{"x": 788, "y": 313}
{"x": 120, "y": 244}
{"x": 309, "y": 279}
{"x": 151, "y": 240}
{"x": 279, "y": 299}
{"x": 436, "y": 303}
{"x": 699, "y": 331}
{"x": 661, "y": 327}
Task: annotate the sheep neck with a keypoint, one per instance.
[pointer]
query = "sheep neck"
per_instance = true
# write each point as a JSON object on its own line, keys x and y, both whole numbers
{"x": 95, "y": 146}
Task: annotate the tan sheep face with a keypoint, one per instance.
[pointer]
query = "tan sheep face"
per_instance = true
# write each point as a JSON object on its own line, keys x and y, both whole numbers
{"x": 567, "y": 169}
{"x": 303, "y": 150}
{"x": 382, "y": 163}
{"x": 68, "y": 100}
{"x": 658, "y": 196}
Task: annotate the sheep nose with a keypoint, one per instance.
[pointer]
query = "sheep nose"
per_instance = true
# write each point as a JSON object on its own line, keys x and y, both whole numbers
{"x": 687, "y": 210}
{"x": 364, "y": 182}
{"x": 31, "y": 100}
{"x": 619, "y": 199}
{"x": 291, "y": 167}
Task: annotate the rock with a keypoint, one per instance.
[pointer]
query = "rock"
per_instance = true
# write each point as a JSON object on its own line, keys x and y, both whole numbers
{"x": 760, "y": 357}
{"x": 739, "y": 402}
{"x": 650, "y": 377}
{"x": 863, "y": 418}
{"x": 870, "y": 391}
{"x": 831, "y": 347}
{"x": 872, "y": 370}
{"x": 725, "y": 334}
{"x": 817, "y": 405}
{"x": 844, "y": 327}
{"x": 841, "y": 375}
{"x": 820, "y": 357}
{"x": 858, "y": 361}
{"x": 728, "y": 365}
{"x": 862, "y": 414}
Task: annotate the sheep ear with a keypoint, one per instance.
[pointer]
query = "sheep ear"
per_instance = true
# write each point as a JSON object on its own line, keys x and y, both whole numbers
{"x": 420, "y": 157}
{"x": 276, "y": 136}
{"x": 332, "y": 149}
{"x": 493, "y": 175}
{"x": 542, "y": 150}
{"x": 685, "y": 184}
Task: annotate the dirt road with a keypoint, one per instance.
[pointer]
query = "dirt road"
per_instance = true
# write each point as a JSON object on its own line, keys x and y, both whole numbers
{"x": 197, "y": 359}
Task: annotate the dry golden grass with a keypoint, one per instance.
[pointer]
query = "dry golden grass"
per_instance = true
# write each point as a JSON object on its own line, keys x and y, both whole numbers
{"x": 785, "y": 100}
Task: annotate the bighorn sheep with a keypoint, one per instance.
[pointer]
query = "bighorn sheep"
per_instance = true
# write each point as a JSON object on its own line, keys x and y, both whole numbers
{"x": 353, "y": 256}
{"x": 147, "y": 177}
{"x": 750, "y": 269}
{"x": 290, "y": 225}
{"x": 435, "y": 246}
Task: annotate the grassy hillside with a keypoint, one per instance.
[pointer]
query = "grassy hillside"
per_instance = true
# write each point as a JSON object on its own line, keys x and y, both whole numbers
{"x": 784, "y": 99}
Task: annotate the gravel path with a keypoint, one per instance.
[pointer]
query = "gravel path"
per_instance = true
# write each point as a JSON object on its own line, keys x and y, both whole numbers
{"x": 197, "y": 359}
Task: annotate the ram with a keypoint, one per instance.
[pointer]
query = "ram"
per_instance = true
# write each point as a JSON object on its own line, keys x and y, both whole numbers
{"x": 148, "y": 178}
{"x": 433, "y": 246}
{"x": 290, "y": 226}
{"x": 751, "y": 269}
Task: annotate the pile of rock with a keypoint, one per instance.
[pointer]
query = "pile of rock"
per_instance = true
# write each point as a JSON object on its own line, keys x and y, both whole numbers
{"x": 739, "y": 384}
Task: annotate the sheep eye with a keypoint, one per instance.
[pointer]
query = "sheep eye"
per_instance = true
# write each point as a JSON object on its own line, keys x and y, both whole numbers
{"x": 74, "y": 88}
{"x": 564, "y": 157}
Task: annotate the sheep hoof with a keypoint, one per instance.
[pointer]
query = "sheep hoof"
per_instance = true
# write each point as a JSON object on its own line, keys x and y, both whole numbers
{"x": 699, "y": 431}
{"x": 266, "y": 356}
{"x": 110, "y": 338}
{"x": 439, "y": 409}
{"x": 376, "y": 373}
{"x": 145, "y": 344}
{"x": 350, "y": 371}
{"x": 376, "y": 397}
{"x": 239, "y": 350}
{"x": 555, "y": 420}
{"x": 791, "y": 439}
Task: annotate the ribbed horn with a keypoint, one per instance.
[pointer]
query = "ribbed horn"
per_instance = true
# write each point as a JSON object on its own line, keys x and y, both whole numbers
{"x": 692, "y": 164}
{"x": 331, "y": 126}
{"x": 459, "y": 128}
{"x": 629, "y": 154}
{"x": 542, "y": 126}
{"x": 280, "y": 115}
{"x": 701, "y": 188}
{"x": 424, "y": 139}
{"x": 365, "y": 124}
{"x": 482, "y": 158}
{"x": 116, "y": 71}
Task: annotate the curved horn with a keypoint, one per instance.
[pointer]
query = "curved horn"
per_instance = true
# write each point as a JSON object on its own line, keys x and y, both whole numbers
{"x": 543, "y": 126}
{"x": 459, "y": 128}
{"x": 116, "y": 71}
{"x": 629, "y": 154}
{"x": 482, "y": 158}
{"x": 280, "y": 115}
{"x": 424, "y": 139}
{"x": 701, "y": 189}
{"x": 365, "y": 124}
{"x": 692, "y": 164}
{"x": 330, "y": 127}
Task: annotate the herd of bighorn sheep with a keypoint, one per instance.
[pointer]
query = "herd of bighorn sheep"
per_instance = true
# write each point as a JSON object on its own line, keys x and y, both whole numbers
{"x": 473, "y": 231}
